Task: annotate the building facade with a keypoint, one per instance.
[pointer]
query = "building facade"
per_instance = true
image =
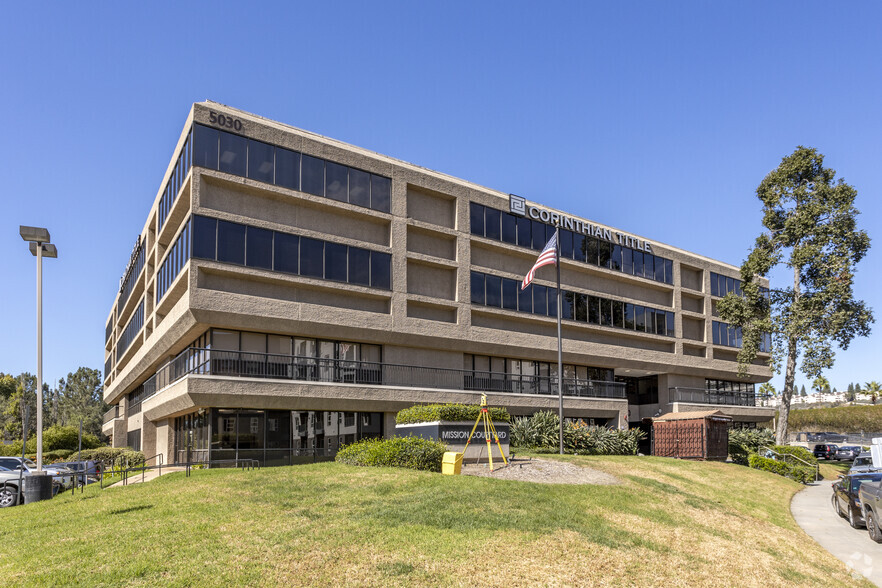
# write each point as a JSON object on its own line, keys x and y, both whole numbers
{"x": 289, "y": 293}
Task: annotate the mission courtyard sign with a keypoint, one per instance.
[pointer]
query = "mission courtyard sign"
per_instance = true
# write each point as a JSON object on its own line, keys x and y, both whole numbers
{"x": 519, "y": 206}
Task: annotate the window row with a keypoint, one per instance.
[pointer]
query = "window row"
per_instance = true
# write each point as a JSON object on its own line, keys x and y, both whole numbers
{"x": 131, "y": 330}
{"x": 528, "y": 367}
{"x": 176, "y": 179}
{"x": 297, "y": 346}
{"x": 230, "y": 242}
{"x": 177, "y": 256}
{"x": 521, "y": 376}
{"x": 108, "y": 330}
{"x": 132, "y": 275}
{"x": 506, "y": 293}
{"x": 724, "y": 334}
{"x": 722, "y": 285}
{"x": 260, "y": 161}
{"x": 729, "y": 386}
{"x": 518, "y": 230}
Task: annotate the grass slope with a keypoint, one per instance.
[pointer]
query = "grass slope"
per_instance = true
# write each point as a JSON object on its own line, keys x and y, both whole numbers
{"x": 842, "y": 419}
{"x": 669, "y": 523}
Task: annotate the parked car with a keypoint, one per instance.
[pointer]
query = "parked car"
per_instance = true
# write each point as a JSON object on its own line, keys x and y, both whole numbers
{"x": 845, "y": 496}
{"x": 8, "y": 488}
{"x": 825, "y": 451}
{"x": 870, "y": 498}
{"x": 85, "y": 471}
{"x": 862, "y": 463}
{"x": 62, "y": 475}
{"x": 848, "y": 452}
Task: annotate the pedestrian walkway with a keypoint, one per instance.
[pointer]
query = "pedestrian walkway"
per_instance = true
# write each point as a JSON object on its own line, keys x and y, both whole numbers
{"x": 813, "y": 512}
{"x": 137, "y": 477}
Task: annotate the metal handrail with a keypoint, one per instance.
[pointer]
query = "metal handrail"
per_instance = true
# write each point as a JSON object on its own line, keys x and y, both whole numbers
{"x": 712, "y": 396}
{"x": 196, "y": 360}
{"x": 787, "y": 456}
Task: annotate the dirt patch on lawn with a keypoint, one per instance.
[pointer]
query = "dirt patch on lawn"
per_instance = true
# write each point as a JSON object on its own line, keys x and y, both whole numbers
{"x": 544, "y": 471}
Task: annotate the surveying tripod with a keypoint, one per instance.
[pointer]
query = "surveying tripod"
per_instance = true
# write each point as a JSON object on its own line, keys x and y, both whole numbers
{"x": 484, "y": 416}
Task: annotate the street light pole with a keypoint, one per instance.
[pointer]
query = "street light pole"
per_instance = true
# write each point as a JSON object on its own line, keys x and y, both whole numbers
{"x": 39, "y": 245}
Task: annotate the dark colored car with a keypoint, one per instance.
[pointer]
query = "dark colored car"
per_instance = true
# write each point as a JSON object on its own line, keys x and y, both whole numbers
{"x": 845, "y": 496}
{"x": 825, "y": 451}
{"x": 848, "y": 452}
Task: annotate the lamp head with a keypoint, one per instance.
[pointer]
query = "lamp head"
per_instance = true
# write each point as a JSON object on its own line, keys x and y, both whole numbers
{"x": 49, "y": 250}
{"x": 34, "y": 234}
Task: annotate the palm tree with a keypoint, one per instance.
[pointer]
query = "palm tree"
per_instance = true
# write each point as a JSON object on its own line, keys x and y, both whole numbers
{"x": 873, "y": 389}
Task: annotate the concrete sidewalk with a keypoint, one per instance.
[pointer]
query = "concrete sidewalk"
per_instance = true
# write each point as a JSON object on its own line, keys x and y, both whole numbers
{"x": 137, "y": 478}
{"x": 813, "y": 512}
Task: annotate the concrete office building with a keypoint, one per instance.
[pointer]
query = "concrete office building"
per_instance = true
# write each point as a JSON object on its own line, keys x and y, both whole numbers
{"x": 290, "y": 293}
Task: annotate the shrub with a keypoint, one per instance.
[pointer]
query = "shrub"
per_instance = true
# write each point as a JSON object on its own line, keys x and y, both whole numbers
{"x": 116, "y": 457}
{"x": 540, "y": 433}
{"x": 427, "y": 413}
{"x": 801, "y": 474}
{"x": 413, "y": 453}
{"x": 55, "y": 438}
{"x": 743, "y": 442}
{"x": 796, "y": 451}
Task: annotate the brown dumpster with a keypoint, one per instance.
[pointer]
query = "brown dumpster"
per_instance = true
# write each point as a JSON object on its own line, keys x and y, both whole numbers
{"x": 691, "y": 435}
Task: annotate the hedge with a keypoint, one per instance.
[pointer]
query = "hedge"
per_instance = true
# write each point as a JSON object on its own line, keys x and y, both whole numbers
{"x": 796, "y": 451}
{"x": 413, "y": 453}
{"x": 540, "y": 433}
{"x": 427, "y": 413}
{"x": 801, "y": 474}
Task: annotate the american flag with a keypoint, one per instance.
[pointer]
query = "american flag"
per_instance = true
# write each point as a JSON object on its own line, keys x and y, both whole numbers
{"x": 547, "y": 257}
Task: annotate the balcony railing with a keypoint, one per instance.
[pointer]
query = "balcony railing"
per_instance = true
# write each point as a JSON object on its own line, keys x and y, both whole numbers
{"x": 111, "y": 414}
{"x": 312, "y": 369}
{"x": 704, "y": 396}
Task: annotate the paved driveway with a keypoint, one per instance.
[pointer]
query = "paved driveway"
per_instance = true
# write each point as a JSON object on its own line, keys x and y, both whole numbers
{"x": 813, "y": 512}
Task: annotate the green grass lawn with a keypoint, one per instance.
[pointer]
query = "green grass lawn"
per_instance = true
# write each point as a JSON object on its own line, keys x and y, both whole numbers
{"x": 669, "y": 523}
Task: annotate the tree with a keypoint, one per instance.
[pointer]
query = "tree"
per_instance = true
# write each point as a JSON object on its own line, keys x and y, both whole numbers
{"x": 766, "y": 391}
{"x": 81, "y": 397}
{"x": 857, "y": 389}
{"x": 802, "y": 392}
{"x": 821, "y": 384}
{"x": 810, "y": 227}
{"x": 873, "y": 389}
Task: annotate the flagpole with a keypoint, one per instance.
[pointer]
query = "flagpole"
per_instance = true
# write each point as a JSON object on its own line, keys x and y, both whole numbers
{"x": 559, "y": 342}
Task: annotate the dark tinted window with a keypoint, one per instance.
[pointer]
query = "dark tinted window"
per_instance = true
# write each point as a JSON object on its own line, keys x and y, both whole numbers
{"x": 648, "y": 266}
{"x": 230, "y": 242}
{"x": 312, "y": 175}
{"x": 715, "y": 288}
{"x": 580, "y": 312}
{"x": 606, "y": 312}
{"x": 659, "y": 269}
{"x": 477, "y": 286}
{"x": 337, "y": 181}
{"x": 629, "y": 315}
{"x": 594, "y": 310}
{"x": 492, "y": 223}
{"x": 286, "y": 253}
{"x": 579, "y": 247}
{"x": 538, "y": 235}
{"x": 650, "y": 320}
{"x": 381, "y": 193}
{"x": 233, "y": 151}
{"x": 335, "y": 262}
{"x": 493, "y": 286}
{"x": 204, "y": 237}
{"x": 540, "y": 299}
{"x": 669, "y": 320}
{"x": 552, "y": 302}
{"x": 618, "y": 313}
{"x": 360, "y": 188}
{"x": 669, "y": 271}
{"x": 509, "y": 228}
{"x": 660, "y": 323}
{"x": 604, "y": 253}
{"x": 566, "y": 305}
{"x": 525, "y": 299}
{"x": 510, "y": 293}
{"x": 639, "y": 318}
{"x": 591, "y": 253}
{"x": 259, "y": 248}
{"x": 312, "y": 254}
{"x": 615, "y": 259}
{"x": 638, "y": 263}
{"x": 476, "y": 212}
{"x": 525, "y": 232}
{"x": 359, "y": 266}
{"x": 205, "y": 147}
{"x": 287, "y": 169}
{"x": 260, "y": 161}
{"x": 381, "y": 270}
{"x": 566, "y": 244}
{"x": 627, "y": 260}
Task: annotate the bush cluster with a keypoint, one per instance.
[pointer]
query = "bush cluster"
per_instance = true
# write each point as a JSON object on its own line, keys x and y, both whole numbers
{"x": 796, "y": 451}
{"x": 413, "y": 453}
{"x": 743, "y": 442}
{"x": 55, "y": 438}
{"x": 801, "y": 474}
{"x": 428, "y": 413}
{"x": 540, "y": 433}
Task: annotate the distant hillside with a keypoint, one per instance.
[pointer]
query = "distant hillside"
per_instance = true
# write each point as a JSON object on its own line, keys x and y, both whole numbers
{"x": 842, "y": 419}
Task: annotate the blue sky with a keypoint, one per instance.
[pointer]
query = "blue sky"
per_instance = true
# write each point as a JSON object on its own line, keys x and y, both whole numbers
{"x": 659, "y": 119}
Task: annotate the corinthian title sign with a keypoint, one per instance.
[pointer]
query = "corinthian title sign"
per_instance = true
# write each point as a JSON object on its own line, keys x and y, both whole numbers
{"x": 518, "y": 205}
